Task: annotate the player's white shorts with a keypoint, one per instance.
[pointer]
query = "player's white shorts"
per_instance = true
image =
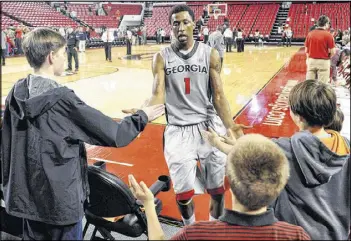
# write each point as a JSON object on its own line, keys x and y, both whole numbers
{"x": 183, "y": 146}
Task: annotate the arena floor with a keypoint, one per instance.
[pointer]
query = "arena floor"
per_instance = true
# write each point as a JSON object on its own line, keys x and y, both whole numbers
{"x": 254, "y": 81}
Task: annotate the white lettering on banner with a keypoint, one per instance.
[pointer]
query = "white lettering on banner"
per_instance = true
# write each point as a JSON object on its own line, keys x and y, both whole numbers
{"x": 277, "y": 113}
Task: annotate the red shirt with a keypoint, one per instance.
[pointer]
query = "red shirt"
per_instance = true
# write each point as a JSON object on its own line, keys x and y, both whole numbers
{"x": 318, "y": 43}
{"x": 19, "y": 33}
{"x": 237, "y": 226}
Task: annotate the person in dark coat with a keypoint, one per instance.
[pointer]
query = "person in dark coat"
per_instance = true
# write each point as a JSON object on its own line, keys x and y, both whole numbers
{"x": 44, "y": 128}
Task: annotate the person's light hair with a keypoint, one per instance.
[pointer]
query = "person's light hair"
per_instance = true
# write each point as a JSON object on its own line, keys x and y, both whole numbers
{"x": 257, "y": 171}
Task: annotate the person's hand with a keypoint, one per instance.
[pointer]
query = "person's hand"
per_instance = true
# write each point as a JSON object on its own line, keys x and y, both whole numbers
{"x": 152, "y": 112}
{"x": 237, "y": 130}
{"x": 75, "y": 48}
{"x": 140, "y": 191}
{"x": 229, "y": 139}
{"x": 211, "y": 137}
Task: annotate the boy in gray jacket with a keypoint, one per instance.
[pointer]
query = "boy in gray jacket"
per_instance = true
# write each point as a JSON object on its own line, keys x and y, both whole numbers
{"x": 317, "y": 195}
{"x": 45, "y": 125}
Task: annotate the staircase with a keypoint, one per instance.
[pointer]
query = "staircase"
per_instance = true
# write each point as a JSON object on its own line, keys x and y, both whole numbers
{"x": 196, "y": 31}
{"x": 279, "y": 21}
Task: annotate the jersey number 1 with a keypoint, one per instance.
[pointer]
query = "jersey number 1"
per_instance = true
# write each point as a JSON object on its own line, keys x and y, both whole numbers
{"x": 187, "y": 85}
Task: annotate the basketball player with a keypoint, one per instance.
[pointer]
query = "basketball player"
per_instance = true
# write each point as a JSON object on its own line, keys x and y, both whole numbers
{"x": 187, "y": 79}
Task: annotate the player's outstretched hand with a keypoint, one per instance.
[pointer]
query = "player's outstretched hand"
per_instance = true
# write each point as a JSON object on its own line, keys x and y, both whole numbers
{"x": 237, "y": 130}
{"x": 140, "y": 191}
{"x": 152, "y": 112}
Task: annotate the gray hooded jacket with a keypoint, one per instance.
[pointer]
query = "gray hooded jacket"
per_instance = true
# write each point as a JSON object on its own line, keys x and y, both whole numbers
{"x": 44, "y": 162}
{"x": 317, "y": 196}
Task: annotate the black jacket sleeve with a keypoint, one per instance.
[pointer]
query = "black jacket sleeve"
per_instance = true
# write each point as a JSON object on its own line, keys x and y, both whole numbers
{"x": 93, "y": 127}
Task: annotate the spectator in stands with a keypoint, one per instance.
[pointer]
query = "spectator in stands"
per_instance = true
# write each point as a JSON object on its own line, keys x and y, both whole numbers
{"x": 90, "y": 11}
{"x": 205, "y": 12}
{"x": 338, "y": 36}
{"x": 3, "y": 46}
{"x": 199, "y": 24}
{"x": 319, "y": 48}
{"x": 73, "y": 15}
{"x": 118, "y": 15}
{"x": 44, "y": 128}
{"x": 314, "y": 26}
{"x": 256, "y": 172}
{"x": 205, "y": 32}
{"x": 82, "y": 39}
{"x": 333, "y": 65}
{"x": 317, "y": 195}
{"x": 256, "y": 37}
{"x": 345, "y": 38}
{"x": 107, "y": 37}
{"x": 240, "y": 41}
{"x": 72, "y": 47}
{"x": 288, "y": 36}
{"x": 228, "y": 38}
{"x": 216, "y": 41}
{"x": 337, "y": 122}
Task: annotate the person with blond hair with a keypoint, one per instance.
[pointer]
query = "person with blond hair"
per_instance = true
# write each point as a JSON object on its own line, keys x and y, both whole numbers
{"x": 256, "y": 172}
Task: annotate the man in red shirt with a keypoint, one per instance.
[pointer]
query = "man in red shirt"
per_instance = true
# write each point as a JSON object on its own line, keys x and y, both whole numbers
{"x": 257, "y": 170}
{"x": 18, "y": 38}
{"x": 319, "y": 48}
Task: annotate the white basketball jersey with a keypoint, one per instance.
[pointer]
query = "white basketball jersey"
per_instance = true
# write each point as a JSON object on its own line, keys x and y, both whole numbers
{"x": 188, "y": 88}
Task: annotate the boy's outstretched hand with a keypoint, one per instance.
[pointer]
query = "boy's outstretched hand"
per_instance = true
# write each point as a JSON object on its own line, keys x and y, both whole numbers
{"x": 140, "y": 191}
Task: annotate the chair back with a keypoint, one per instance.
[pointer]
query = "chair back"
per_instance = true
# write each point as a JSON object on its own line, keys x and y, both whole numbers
{"x": 109, "y": 195}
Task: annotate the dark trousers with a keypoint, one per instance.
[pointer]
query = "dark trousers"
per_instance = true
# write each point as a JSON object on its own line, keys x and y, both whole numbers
{"x": 234, "y": 43}
{"x": 129, "y": 46}
{"x": 205, "y": 39}
{"x": 72, "y": 52}
{"x": 283, "y": 40}
{"x": 108, "y": 50}
{"x": 288, "y": 42}
{"x": 228, "y": 43}
{"x": 3, "y": 53}
{"x": 33, "y": 230}
{"x": 256, "y": 41}
{"x": 240, "y": 45}
{"x": 18, "y": 43}
{"x": 163, "y": 39}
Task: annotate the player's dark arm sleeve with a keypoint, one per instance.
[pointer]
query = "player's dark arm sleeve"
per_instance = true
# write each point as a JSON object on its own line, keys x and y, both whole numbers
{"x": 93, "y": 127}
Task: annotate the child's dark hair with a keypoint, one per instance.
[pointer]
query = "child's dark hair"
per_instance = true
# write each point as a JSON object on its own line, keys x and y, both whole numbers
{"x": 337, "y": 122}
